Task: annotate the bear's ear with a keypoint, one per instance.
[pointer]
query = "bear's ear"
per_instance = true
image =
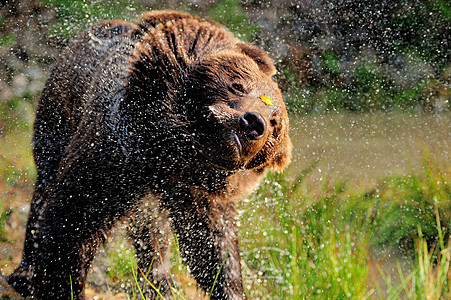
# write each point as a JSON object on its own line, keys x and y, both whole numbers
{"x": 281, "y": 160}
{"x": 264, "y": 62}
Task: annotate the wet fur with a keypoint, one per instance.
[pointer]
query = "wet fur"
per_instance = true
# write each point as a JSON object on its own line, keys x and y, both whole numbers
{"x": 135, "y": 122}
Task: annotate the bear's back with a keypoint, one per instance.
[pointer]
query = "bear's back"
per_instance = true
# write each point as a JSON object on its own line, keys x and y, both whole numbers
{"x": 73, "y": 74}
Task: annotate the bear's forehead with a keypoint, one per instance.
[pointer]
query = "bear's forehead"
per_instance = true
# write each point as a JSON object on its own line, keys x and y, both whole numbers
{"x": 241, "y": 68}
{"x": 232, "y": 60}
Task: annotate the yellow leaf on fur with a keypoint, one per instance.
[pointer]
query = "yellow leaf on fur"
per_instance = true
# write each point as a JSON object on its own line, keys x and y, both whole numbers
{"x": 267, "y": 100}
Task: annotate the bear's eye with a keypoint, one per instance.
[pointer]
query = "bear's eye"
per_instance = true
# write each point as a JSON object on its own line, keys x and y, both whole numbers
{"x": 273, "y": 122}
{"x": 238, "y": 87}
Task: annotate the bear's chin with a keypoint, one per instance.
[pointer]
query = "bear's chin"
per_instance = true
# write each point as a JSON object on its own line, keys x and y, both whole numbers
{"x": 228, "y": 159}
{"x": 228, "y": 150}
{"x": 232, "y": 160}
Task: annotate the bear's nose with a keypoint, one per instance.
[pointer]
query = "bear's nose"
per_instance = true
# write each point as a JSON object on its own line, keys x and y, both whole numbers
{"x": 253, "y": 125}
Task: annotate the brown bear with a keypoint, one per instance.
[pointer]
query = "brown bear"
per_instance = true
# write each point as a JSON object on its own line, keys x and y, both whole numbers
{"x": 167, "y": 122}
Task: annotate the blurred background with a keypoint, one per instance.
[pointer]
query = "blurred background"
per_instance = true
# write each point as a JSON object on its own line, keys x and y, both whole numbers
{"x": 364, "y": 210}
{"x": 332, "y": 55}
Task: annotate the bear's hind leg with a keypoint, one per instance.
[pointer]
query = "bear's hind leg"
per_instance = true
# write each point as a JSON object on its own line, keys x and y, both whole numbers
{"x": 50, "y": 141}
{"x": 151, "y": 232}
{"x": 208, "y": 240}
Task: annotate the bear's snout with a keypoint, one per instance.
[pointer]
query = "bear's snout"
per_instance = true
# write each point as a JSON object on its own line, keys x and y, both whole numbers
{"x": 253, "y": 124}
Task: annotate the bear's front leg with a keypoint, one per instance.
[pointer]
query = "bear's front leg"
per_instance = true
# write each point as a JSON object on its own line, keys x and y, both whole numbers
{"x": 208, "y": 240}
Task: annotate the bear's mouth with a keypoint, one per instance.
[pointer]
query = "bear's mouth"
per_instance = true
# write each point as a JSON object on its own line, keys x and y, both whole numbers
{"x": 237, "y": 143}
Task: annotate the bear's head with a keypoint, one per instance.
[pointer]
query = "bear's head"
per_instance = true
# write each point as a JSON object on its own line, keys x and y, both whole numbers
{"x": 236, "y": 112}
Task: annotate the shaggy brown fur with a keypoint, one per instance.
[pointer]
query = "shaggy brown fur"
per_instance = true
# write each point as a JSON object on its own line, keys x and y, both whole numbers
{"x": 163, "y": 123}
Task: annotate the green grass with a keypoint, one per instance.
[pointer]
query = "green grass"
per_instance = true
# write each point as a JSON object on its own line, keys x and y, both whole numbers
{"x": 299, "y": 245}
{"x": 429, "y": 279}
{"x": 231, "y": 14}
{"x": 123, "y": 270}
{"x": 403, "y": 203}
{"x": 4, "y": 216}
{"x": 121, "y": 259}
{"x": 305, "y": 246}
{"x": 75, "y": 16}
